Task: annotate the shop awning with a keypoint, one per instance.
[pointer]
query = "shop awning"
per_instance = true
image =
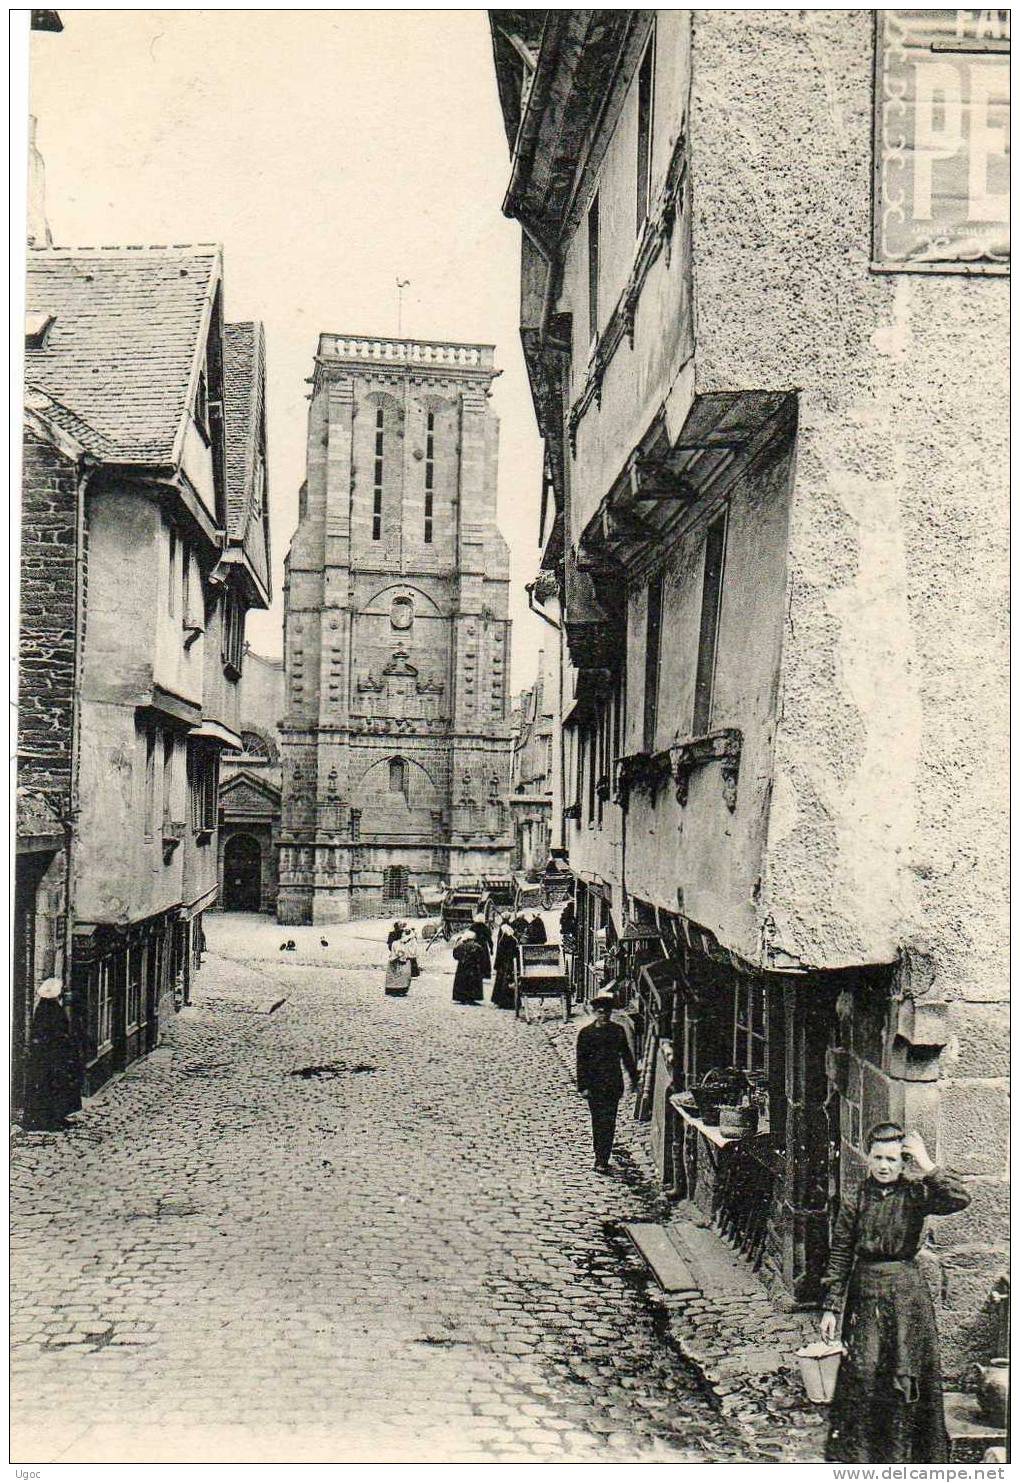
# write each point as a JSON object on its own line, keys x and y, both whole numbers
{"x": 640, "y": 932}
{"x": 216, "y": 731}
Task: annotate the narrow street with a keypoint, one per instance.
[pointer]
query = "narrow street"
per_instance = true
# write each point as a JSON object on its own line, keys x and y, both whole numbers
{"x": 344, "y": 1228}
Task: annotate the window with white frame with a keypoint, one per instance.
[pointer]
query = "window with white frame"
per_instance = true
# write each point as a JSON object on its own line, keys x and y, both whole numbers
{"x": 751, "y": 1024}
{"x": 168, "y": 777}
{"x": 203, "y": 780}
{"x": 711, "y": 604}
{"x": 135, "y": 979}
{"x": 149, "y": 807}
{"x": 101, "y": 1007}
{"x": 232, "y": 636}
{"x": 645, "y": 113}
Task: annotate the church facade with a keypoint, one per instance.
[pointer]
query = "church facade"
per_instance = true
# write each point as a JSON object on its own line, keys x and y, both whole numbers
{"x": 396, "y": 741}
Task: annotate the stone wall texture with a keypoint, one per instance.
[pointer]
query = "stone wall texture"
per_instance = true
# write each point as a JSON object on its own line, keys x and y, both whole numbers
{"x": 46, "y": 640}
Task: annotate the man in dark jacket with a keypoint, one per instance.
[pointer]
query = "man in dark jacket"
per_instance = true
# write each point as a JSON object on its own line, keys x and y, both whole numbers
{"x": 602, "y": 1047}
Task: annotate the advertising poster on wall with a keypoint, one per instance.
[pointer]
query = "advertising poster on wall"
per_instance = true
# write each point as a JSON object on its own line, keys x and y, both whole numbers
{"x": 941, "y": 192}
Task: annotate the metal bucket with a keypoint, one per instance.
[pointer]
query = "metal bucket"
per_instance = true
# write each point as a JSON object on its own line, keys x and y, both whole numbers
{"x": 819, "y": 1366}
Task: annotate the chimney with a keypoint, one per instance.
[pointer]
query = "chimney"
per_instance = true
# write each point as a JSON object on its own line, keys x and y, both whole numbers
{"x": 39, "y": 234}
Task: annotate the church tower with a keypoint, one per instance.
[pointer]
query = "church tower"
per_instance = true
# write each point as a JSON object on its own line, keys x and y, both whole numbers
{"x": 396, "y": 739}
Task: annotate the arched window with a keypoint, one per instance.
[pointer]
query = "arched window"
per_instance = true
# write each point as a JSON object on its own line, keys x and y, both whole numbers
{"x": 256, "y": 746}
{"x": 398, "y": 775}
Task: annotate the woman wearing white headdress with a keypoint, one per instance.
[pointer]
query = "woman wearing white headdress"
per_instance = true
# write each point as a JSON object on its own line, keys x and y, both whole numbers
{"x": 53, "y": 1075}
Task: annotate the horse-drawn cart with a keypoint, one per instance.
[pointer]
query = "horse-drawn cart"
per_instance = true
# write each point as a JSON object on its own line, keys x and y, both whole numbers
{"x": 540, "y": 974}
{"x": 498, "y": 896}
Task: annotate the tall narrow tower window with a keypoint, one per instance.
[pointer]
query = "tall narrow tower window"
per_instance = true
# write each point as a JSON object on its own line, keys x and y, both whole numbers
{"x": 430, "y": 473}
{"x": 377, "y": 478}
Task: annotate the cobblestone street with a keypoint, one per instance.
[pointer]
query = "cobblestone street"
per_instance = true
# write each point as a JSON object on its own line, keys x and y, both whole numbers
{"x": 402, "y": 1253}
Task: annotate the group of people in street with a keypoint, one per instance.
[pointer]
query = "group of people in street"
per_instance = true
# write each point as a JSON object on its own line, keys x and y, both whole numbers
{"x": 477, "y": 955}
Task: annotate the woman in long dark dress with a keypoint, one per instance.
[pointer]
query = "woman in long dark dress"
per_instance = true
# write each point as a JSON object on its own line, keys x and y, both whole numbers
{"x": 535, "y": 931}
{"x": 467, "y": 981}
{"x": 506, "y": 958}
{"x": 480, "y": 928}
{"x": 53, "y": 1074}
{"x": 887, "y": 1405}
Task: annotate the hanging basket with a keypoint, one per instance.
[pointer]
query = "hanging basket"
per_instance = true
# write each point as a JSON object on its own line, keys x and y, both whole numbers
{"x": 819, "y": 1366}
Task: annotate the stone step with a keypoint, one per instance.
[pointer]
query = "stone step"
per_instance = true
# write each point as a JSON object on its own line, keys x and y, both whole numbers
{"x": 717, "y": 1271}
{"x": 970, "y": 1435}
{"x": 661, "y": 1257}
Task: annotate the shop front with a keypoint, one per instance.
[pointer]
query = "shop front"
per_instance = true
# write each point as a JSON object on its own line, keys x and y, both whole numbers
{"x": 743, "y": 1122}
{"x": 124, "y": 981}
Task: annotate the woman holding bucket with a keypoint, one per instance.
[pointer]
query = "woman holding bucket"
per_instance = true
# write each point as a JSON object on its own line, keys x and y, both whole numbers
{"x": 887, "y": 1403}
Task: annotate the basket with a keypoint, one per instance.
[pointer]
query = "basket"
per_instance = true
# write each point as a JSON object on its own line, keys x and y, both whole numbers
{"x": 706, "y": 1099}
{"x": 737, "y": 1122}
{"x": 819, "y": 1366}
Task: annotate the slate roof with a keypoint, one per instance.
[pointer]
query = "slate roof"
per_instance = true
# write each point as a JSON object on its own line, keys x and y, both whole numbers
{"x": 123, "y": 344}
{"x": 244, "y": 387}
{"x": 39, "y": 401}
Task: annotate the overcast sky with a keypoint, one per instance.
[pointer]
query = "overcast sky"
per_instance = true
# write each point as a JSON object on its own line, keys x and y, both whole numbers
{"x": 330, "y": 152}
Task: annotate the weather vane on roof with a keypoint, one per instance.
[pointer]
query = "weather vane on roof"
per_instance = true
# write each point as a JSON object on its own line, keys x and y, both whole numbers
{"x": 402, "y": 283}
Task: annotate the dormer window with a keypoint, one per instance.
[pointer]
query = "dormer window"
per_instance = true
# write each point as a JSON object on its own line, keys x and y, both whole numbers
{"x": 37, "y": 326}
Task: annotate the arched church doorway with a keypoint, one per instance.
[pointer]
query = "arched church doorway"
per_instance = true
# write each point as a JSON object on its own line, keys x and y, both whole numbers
{"x": 242, "y": 874}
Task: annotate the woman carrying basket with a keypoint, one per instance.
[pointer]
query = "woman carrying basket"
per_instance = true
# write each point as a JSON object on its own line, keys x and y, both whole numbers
{"x": 402, "y": 964}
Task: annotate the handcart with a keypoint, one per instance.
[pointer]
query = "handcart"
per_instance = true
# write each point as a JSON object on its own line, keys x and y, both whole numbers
{"x": 540, "y": 973}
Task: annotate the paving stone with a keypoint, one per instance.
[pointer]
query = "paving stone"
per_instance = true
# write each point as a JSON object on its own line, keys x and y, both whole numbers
{"x": 407, "y": 1262}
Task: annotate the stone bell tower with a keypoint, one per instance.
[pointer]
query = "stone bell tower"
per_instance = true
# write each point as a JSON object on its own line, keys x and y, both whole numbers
{"x": 396, "y": 740}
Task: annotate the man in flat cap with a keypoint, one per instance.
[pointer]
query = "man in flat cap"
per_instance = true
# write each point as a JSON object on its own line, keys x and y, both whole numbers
{"x": 602, "y": 1050}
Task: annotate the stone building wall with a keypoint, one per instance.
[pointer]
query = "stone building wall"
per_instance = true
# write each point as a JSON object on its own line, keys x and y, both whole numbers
{"x": 831, "y": 819}
{"x": 887, "y": 825}
{"x": 47, "y": 623}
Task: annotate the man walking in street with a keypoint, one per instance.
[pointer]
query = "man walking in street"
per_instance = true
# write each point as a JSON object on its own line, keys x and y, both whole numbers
{"x": 602, "y": 1047}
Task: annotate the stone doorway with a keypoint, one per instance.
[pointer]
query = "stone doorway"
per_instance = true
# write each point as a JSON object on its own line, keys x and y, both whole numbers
{"x": 242, "y": 874}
